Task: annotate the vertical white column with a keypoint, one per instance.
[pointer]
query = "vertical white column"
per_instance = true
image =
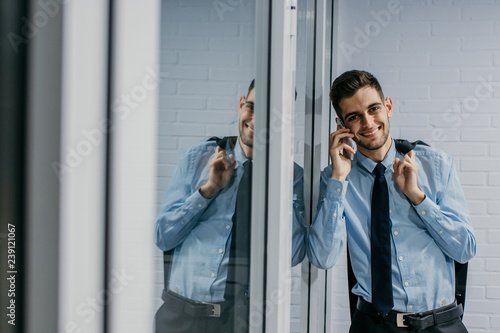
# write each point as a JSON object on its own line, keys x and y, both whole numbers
{"x": 135, "y": 84}
{"x": 81, "y": 168}
{"x": 280, "y": 185}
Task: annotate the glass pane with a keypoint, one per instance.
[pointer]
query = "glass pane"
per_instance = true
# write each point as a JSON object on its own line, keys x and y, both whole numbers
{"x": 299, "y": 131}
{"x": 207, "y": 66}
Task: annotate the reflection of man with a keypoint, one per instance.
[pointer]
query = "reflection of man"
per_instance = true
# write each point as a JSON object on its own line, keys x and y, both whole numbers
{"x": 197, "y": 220}
{"x": 405, "y": 215}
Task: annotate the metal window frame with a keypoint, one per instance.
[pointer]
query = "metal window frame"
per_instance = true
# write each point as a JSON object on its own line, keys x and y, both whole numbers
{"x": 270, "y": 278}
{"x": 315, "y": 317}
{"x": 42, "y": 186}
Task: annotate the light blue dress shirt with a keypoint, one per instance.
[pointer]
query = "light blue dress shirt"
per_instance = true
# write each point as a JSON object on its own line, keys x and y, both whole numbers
{"x": 426, "y": 239}
{"x": 199, "y": 229}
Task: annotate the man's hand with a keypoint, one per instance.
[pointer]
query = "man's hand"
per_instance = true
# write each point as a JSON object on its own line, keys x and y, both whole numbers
{"x": 221, "y": 170}
{"x": 405, "y": 175}
{"x": 341, "y": 163}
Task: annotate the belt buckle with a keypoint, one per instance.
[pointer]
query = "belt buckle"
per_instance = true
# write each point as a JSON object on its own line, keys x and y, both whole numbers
{"x": 215, "y": 307}
{"x": 400, "y": 320}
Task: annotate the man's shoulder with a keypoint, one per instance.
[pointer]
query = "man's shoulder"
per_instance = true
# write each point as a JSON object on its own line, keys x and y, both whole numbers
{"x": 200, "y": 148}
{"x": 433, "y": 159}
{"x": 425, "y": 151}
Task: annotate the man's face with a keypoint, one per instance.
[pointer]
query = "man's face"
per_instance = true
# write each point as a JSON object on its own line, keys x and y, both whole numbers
{"x": 367, "y": 116}
{"x": 246, "y": 121}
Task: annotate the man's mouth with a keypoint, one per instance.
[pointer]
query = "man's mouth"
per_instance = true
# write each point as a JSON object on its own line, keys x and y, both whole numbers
{"x": 370, "y": 133}
{"x": 250, "y": 128}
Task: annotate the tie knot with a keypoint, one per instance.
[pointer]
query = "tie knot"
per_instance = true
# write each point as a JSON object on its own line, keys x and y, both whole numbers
{"x": 379, "y": 170}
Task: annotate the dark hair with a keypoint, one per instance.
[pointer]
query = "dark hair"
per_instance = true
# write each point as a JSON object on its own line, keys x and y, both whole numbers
{"x": 347, "y": 84}
{"x": 252, "y": 85}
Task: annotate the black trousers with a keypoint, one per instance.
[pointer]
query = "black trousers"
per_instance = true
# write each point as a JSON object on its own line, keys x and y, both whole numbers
{"x": 171, "y": 318}
{"x": 366, "y": 323}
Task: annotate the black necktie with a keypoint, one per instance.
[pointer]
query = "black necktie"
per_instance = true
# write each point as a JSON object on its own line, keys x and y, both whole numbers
{"x": 381, "y": 244}
{"x": 239, "y": 253}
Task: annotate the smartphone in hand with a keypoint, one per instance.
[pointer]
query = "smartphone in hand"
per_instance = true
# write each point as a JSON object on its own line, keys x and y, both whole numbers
{"x": 349, "y": 141}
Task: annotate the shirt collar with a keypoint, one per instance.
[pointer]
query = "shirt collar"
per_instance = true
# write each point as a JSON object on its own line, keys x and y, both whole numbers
{"x": 239, "y": 156}
{"x": 369, "y": 164}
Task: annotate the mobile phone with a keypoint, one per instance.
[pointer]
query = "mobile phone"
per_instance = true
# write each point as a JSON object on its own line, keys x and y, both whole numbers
{"x": 349, "y": 141}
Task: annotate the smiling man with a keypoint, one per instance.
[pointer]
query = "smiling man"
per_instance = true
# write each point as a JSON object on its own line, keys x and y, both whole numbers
{"x": 404, "y": 213}
{"x": 205, "y": 217}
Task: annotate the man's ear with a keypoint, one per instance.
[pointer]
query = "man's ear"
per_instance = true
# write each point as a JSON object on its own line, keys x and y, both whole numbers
{"x": 242, "y": 102}
{"x": 388, "y": 105}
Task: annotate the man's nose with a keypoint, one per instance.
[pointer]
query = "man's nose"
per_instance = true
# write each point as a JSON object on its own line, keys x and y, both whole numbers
{"x": 366, "y": 121}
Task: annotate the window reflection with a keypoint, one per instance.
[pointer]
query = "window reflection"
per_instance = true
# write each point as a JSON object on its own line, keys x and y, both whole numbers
{"x": 205, "y": 168}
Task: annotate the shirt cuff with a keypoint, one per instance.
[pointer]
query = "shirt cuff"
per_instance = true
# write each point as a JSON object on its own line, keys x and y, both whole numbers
{"x": 426, "y": 209}
{"x": 197, "y": 202}
{"x": 336, "y": 189}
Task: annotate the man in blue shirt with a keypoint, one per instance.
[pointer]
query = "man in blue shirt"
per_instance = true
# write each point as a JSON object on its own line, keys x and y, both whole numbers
{"x": 197, "y": 221}
{"x": 428, "y": 223}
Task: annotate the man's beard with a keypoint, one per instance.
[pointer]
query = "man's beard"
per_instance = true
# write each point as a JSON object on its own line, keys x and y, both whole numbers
{"x": 246, "y": 142}
{"x": 378, "y": 146}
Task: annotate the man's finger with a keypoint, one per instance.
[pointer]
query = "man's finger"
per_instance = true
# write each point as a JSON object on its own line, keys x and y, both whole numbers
{"x": 396, "y": 165}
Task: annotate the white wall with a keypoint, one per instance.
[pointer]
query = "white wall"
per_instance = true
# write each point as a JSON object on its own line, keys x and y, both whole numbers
{"x": 432, "y": 58}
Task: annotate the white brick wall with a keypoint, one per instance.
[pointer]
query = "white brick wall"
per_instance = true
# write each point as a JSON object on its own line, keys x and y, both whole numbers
{"x": 432, "y": 58}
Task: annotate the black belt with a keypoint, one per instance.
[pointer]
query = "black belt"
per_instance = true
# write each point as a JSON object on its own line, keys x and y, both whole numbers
{"x": 419, "y": 320}
{"x": 191, "y": 307}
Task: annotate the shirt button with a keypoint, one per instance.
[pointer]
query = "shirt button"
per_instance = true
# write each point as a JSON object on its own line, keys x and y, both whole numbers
{"x": 207, "y": 296}
{"x": 400, "y": 257}
{"x": 440, "y": 231}
{"x": 228, "y": 226}
{"x": 410, "y": 307}
{"x": 390, "y": 211}
{"x": 200, "y": 205}
{"x": 334, "y": 214}
{"x": 395, "y": 233}
{"x": 406, "y": 284}
{"x": 220, "y": 250}
{"x": 423, "y": 212}
{"x": 338, "y": 190}
{"x": 183, "y": 222}
{"x": 212, "y": 275}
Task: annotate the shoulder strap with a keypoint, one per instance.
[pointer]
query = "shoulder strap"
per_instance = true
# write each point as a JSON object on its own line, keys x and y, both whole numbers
{"x": 223, "y": 142}
{"x": 404, "y": 146}
{"x": 168, "y": 256}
